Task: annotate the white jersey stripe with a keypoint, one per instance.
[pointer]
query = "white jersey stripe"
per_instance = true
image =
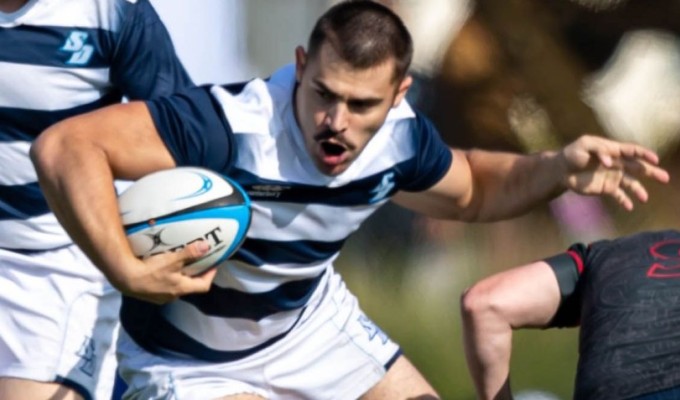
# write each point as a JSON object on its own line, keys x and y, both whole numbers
{"x": 94, "y": 14}
{"x": 67, "y": 88}
{"x": 233, "y": 334}
{"x": 43, "y": 231}
{"x": 16, "y": 155}
{"x": 247, "y": 278}
{"x": 302, "y": 220}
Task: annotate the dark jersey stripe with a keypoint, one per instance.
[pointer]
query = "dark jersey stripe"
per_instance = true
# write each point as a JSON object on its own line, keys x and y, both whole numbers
{"x": 54, "y": 46}
{"x": 358, "y": 192}
{"x": 158, "y": 336}
{"x": 23, "y": 124}
{"x": 260, "y": 251}
{"x": 25, "y": 199}
{"x": 232, "y": 303}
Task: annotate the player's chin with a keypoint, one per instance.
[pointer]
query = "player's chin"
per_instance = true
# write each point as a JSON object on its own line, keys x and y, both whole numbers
{"x": 333, "y": 164}
{"x": 331, "y": 169}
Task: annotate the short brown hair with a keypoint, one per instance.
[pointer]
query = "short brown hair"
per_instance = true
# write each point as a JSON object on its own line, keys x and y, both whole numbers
{"x": 364, "y": 34}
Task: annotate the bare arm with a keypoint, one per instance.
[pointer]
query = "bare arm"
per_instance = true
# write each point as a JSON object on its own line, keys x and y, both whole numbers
{"x": 526, "y": 296}
{"x": 488, "y": 186}
{"x": 484, "y": 186}
{"x": 76, "y": 161}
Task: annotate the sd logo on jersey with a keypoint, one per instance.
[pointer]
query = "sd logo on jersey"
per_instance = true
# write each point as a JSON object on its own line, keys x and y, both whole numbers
{"x": 76, "y": 43}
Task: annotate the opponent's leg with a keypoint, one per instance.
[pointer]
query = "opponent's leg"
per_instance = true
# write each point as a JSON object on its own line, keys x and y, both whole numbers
{"x": 402, "y": 381}
{"x": 24, "y": 389}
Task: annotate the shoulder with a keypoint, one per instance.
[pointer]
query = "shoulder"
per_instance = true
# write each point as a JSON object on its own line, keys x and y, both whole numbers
{"x": 257, "y": 105}
{"x": 646, "y": 242}
{"x": 140, "y": 11}
{"x": 644, "y": 248}
{"x": 412, "y": 127}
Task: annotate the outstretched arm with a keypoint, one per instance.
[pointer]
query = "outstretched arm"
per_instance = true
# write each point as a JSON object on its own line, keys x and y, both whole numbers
{"x": 76, "y": 161}
{"x": 522, "y": 297}
{"x": 488, "y": 186}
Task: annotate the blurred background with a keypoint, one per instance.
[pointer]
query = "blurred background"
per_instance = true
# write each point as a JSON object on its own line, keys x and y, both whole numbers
{"x": 520, "y": 75}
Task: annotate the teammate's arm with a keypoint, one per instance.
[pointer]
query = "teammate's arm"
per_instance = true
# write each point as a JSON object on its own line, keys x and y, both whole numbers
{"x": 118, "y": 141}
{"x": 487, "y": 186}
{"x": 522, "y": 297}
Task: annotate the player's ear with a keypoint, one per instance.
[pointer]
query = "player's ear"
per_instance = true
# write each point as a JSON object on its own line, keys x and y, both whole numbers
{"x": 402, "y": 89}
{"x": 300, "y": 62}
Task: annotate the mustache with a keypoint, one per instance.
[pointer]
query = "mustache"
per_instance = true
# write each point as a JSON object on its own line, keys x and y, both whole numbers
{"x": 325, "y": 134}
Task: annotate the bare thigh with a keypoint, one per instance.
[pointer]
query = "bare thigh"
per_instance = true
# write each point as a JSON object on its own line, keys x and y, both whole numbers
{"x": 402, "y": 381}
{"x": 25, "y": 389}
{"x": 242, "y": 397}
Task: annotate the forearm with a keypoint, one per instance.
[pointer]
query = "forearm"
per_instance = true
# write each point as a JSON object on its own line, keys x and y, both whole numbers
{"x": 506, "y": 185}
{"x": 523, "y": 297}
{"x": 488, "y": 345}
{"x": 83, "y": 199}
{"x": 76, "y": 161}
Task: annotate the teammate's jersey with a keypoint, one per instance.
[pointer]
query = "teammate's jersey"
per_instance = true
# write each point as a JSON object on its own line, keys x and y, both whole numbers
{"x": 59, "y": 58}
{"x": 301, "y": 218}
{"x": 626, "y": 298}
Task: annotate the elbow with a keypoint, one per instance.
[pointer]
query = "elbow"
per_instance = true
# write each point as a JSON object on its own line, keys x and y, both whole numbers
{"x": 472, "y": 303}
{"x": 46, "y": 150}
{"x": 477, "y": 303}
{"x": 61, "y": 147}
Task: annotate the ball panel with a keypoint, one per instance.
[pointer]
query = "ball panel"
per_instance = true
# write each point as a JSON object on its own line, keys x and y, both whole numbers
{"x": 161, "y": 237}
{"x": 169, "y": 191}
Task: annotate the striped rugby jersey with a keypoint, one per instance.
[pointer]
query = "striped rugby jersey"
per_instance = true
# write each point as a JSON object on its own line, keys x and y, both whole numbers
{"x": 301, "y": 218}
{"x": 59, "y": 58}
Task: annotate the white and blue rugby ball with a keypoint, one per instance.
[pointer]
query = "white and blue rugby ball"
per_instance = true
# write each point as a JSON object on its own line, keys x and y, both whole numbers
{"x": 166, "y": 210}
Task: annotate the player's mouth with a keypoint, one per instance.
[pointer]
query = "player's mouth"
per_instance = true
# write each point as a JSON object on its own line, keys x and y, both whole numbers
{"x": 332, "y": 153}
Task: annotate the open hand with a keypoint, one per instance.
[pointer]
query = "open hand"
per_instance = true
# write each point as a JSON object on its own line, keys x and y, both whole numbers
{"x": 600, "y": 166}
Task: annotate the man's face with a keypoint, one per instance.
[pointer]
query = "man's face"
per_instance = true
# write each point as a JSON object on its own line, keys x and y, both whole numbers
{"x": 10, "y": 6}
{"x": 340, "y": 108}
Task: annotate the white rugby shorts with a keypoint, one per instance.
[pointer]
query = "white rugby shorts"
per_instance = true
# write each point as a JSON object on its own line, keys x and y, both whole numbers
{"x": 335, "y": 352}
{"x": 58, "y": 320}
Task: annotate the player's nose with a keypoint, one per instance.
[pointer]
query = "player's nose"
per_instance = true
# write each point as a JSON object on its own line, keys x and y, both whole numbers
{"x": 337, "y": 117}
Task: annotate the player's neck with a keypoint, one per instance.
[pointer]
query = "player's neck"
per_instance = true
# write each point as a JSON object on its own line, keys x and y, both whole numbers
{"x": 10, "y": 6}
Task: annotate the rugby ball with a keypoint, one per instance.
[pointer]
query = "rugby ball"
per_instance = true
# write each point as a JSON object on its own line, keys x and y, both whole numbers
{"x": 167, "y": 210}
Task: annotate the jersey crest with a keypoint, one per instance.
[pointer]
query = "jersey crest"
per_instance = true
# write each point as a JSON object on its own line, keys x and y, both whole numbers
{"x": 76, "y": 44}
{"x": 384, "y": 187}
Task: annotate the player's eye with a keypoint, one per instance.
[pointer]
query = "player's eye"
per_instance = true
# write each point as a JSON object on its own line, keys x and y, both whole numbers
{"x": 324, "y": 95}
{"x": 359, "y": 106}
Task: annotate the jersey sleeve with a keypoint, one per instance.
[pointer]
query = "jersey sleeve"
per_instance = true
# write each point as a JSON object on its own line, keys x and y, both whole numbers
{"x": 145, "y": 64}
{"x": 433, "y": 157}
{"x": 569, "y": 268}
{"x": 194, "y": 129}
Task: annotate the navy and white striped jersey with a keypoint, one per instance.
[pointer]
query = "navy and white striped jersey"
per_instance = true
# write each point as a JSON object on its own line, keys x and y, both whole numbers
{"x": 59, "y": 58}
{"x": 301, "y": 218}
